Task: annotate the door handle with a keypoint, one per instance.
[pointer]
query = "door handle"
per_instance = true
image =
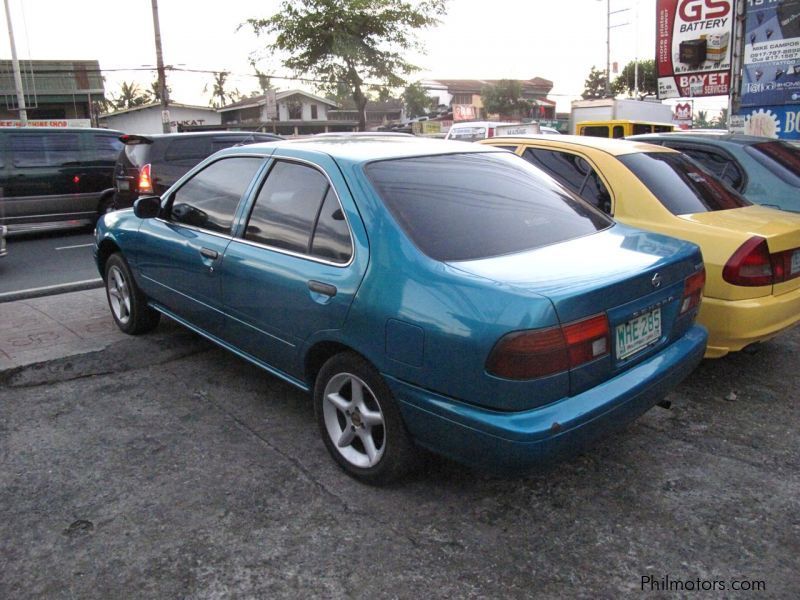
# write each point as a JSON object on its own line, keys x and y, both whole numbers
{"x": 325, "y": 289}
{"x": 209, "y": 253}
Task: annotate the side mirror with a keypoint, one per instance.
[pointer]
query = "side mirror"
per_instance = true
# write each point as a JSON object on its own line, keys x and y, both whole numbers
{"x": 147, "y": 207}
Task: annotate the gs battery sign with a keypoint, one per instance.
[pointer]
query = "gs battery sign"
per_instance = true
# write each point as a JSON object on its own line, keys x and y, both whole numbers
{"x": 693, "y": 47}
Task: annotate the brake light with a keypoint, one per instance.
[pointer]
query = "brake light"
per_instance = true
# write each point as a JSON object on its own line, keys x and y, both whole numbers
{"x": 145, "y": 183}
{"x": 541, "y": 352}
{"x": 782, "y": 265}
{"x": 490, "y": 133}
{"x": 693, "y": 290}
{"x": 750, "y": 265}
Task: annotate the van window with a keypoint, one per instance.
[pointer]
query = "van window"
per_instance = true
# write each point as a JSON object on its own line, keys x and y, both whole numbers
{"x": 596, "y": 131}
{"x": 619, "y": 131}
{"x": 107, "y": 148}
{"x": 44, "y": 150}
{"x": 470, "y": 206}
{"x": 196, "y": 148}
{"x": 641, "y": 128}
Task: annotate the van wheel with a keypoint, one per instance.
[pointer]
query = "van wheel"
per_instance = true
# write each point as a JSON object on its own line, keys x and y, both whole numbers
{"x": 360, "y": 421}
{"x": 127, "y": 302}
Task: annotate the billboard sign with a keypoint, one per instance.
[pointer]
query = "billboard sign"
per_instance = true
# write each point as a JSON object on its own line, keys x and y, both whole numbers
{"x": 694, "y": 40}
{"x": 771, "y": 74}
{"x": 771, "y": 121}
{"x": 464, "y": 112}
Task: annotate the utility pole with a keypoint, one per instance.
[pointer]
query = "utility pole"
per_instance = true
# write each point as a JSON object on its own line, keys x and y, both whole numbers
{"x": 162, "y": 79}
{"x": 609, "y": 27}
{"x": 23, "y": 113}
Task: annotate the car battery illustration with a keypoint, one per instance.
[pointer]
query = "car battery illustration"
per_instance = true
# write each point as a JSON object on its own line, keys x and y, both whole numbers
{"x": 788, "y": 14}
{"x": 693, "y": 52}
{"x": 716, "y": 46}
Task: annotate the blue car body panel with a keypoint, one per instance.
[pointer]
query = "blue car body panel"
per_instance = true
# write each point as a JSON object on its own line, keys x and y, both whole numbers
{"x": 427, "y": 326}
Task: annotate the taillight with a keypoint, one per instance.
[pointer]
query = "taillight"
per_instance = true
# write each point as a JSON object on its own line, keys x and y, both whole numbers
{"x": 490, "y": 133}
{"x": 145, "y": 183}
{"x": 750, "y": 265}
{"x": 693, "y": 290}
{"x": 541, "y": 352}
{"x": 782, "y": 265}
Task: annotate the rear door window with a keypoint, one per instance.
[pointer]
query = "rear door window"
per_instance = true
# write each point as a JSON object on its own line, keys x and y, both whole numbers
{"x": 470, "y": 206}
{"x": 287, "y": 207}
{"x": 573, "y": 171}
{"x": 682, "y": 186}
{"x": 209, "y": 199}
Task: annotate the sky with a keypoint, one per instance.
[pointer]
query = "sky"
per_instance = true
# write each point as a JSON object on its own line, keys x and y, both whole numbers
{"x": 559, "y": 40}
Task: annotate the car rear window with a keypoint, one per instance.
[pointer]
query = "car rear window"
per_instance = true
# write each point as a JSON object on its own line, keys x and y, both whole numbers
{"x": 682, "y": 186}
{"x": 470, "y": 206}
{"x": 785, "y": 155}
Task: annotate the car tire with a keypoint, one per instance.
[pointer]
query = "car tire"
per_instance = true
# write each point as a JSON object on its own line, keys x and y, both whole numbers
{"x": 127, "y": 302}
{"x": 360, "y": 422}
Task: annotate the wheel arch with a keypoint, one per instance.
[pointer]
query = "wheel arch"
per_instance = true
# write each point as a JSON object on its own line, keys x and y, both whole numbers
{"x": 105, "y": 249}
{"x": 319, "y": 353}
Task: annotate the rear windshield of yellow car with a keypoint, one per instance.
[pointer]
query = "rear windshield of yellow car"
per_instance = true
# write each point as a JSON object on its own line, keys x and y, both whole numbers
{"x": 681, "y": 185}
{"x": 477, "y": 205}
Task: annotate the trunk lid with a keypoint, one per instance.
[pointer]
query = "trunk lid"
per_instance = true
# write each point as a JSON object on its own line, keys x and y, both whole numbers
{"x": 635, "y": 278}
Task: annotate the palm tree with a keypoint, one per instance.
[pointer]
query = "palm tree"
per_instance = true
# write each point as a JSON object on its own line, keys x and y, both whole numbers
{"x": 219, "y": 96}
{"x": 130, "y": 95}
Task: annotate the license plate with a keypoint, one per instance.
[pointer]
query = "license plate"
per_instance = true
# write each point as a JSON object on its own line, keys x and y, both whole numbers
{"x": 123, "y": 185}
{"x": 795, "y": 262}
{"x": 638, "y": 333}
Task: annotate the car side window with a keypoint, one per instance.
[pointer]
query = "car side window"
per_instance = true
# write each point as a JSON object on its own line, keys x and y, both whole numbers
{"x": 188, "y": 148}
{"x": 331, "y": 239}
{"x": 209, "y": 199}
{"x": 721, "y": 166}
{"x": 38, "y": 150}
{"x": 287, "y": 207}
{"x": 574, "y": 172}
{"x": 107, "y": 148}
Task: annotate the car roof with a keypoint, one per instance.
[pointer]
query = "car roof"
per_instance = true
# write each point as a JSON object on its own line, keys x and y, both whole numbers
{"x": 368, "y": 148}
{"x": 615, "y": 147}
{"x": 91, "y": 129}
{"x": 722, "y": 136}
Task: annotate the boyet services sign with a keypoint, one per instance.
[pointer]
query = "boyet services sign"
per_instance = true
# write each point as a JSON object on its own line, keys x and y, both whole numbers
{"x": 694, "y": 40}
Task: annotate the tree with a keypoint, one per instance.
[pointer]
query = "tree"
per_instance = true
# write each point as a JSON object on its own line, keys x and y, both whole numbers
{"x": 219, "y": 95}
{"x": 355, "y": 42}
{"x": 720, "y": 122}
{"x": 264, "y": 79}
{"x": 155, "y": 91}
{"x": 595, "y": 85}
{"x": 130, "y": 95}
{"x": 626, "y": 81}
{"x": 701, "y": 120}
{"x": 416, "y": 100}
{"x": 504, "y": 98}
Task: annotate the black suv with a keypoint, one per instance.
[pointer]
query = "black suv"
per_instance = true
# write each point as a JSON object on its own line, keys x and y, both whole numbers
{"x": 148, "y": 165}
{"x": 55, "y": 176}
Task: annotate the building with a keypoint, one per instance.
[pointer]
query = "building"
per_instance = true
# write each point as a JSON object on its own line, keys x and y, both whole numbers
{"x": 146, "y": 118}
{"x": 57, "y": 92}
{"x": 464, "y": 96}
{"x": 295, "y": 112}
{"x": 378, "y": 113}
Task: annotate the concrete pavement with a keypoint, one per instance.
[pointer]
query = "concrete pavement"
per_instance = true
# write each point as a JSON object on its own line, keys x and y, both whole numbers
{"x": 41, "y": 329}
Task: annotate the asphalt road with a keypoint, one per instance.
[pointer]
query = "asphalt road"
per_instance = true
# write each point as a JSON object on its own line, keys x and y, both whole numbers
{"x": 41, "y": 260}
{"x": 163, "y": 467}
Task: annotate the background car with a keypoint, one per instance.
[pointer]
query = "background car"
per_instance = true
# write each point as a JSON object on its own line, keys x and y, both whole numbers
{"x": 472, "y": 131}
{"x": 765, "y": 171}
{"x": 428, "y": 293}
{"x": 53, "y": 177}
{"x": 150, "y": 164}
{"x": 752, "y": 253}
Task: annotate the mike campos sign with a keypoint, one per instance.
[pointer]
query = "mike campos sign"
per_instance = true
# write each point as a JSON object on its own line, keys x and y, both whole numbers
{"x": 693, "y": 47}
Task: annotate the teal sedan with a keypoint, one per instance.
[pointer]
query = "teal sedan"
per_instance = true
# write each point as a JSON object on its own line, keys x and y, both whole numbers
{"x": 427, "y": 294}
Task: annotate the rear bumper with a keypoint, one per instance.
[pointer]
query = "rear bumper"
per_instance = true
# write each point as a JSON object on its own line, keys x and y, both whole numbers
{"x": 511, "y": 442}
{"x": 734, "y": 324}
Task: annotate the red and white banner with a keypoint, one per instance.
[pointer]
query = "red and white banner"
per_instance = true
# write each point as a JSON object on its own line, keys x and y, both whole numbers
{"x": 694, "y": 41}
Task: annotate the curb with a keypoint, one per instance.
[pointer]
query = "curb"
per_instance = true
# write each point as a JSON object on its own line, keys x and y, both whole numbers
{"x": 49, "y": 290}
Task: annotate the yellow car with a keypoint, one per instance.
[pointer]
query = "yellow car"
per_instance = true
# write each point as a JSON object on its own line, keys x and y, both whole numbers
{"x": 752, "y": 253}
